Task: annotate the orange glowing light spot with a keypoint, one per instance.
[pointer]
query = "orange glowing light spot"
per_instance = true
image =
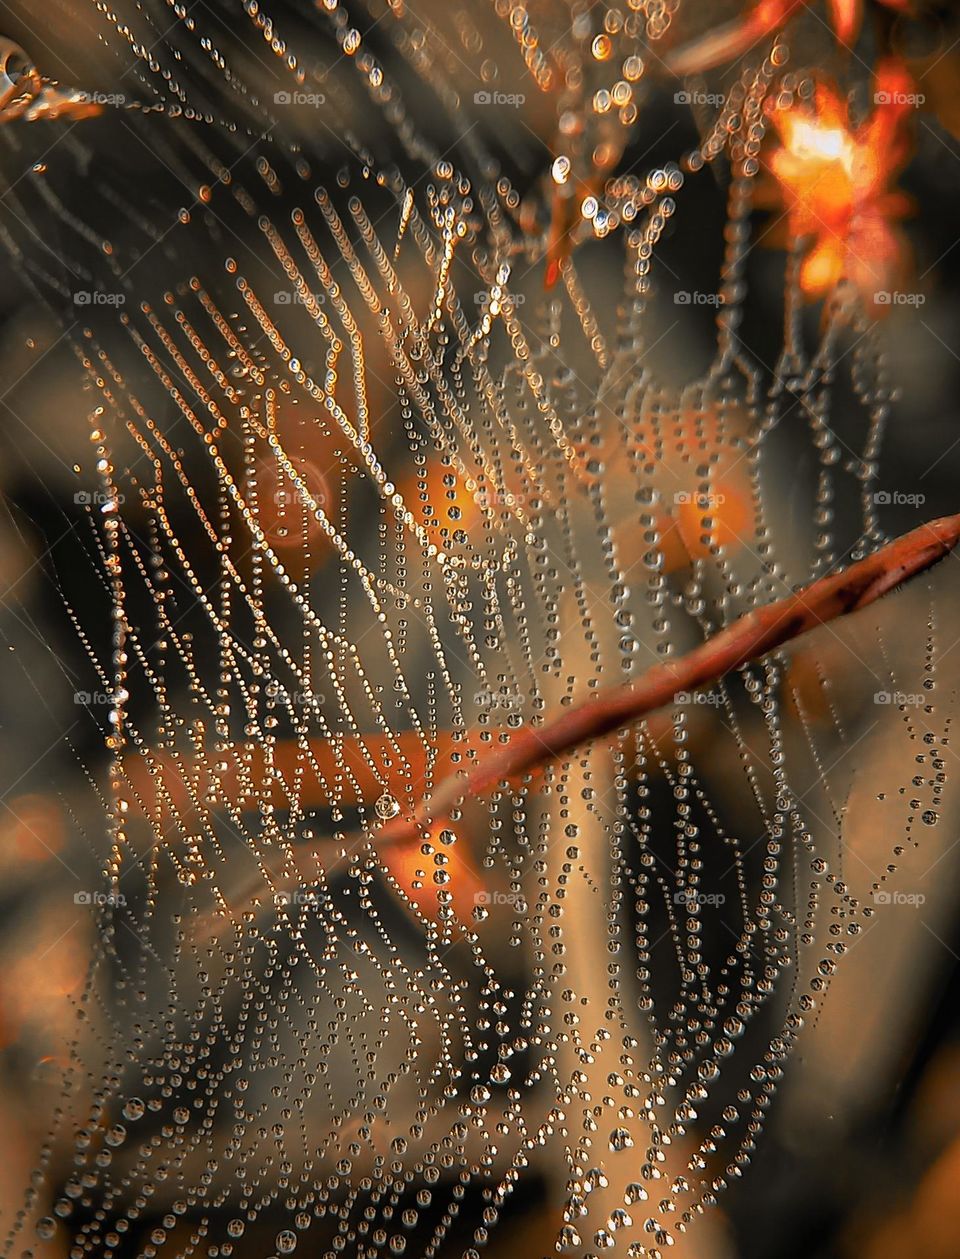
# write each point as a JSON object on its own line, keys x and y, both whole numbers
{"x": 835, "y": 183}
{"x": 845, "y": 17}
{"x": 700, "y": 521}
{"x": 289, "y": 509}
{"x": 34, "y": 828}
{"x": 34, "y": 987}
{"x": 446, "y": 502}
{"x": 427, "y": 881}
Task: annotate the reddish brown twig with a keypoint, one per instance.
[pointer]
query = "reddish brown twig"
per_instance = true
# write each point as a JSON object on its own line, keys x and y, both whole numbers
{"x": 531, "y": 750}
{"x": 748, "y": 638}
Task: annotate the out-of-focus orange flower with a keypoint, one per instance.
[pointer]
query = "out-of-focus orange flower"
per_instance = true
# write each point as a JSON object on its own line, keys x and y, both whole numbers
{"x": 446, "y": 503}
{"x": 700, "y": 521}
{"x": 284, "y": 513}
{"x": 733, "y": 39}
{"x": 33, "y": 829}
{"x": 422, "y": 877}
{"x": 835, "y": 184}
{"x": 442, "y": 502}
{"x": 36, "y": 985}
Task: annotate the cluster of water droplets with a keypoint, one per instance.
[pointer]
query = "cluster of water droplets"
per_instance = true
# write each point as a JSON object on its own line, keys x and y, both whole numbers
{"x": 373, "y": 499}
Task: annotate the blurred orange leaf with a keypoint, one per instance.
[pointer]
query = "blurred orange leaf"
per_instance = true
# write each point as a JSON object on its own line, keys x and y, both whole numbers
{"x": 835, "y": 184}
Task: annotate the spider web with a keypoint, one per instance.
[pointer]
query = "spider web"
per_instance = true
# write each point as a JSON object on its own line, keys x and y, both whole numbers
{"x": 364, "y": 497}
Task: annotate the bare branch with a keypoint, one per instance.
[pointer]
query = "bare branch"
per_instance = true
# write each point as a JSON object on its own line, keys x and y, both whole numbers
{"x": 748, "y": 638}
